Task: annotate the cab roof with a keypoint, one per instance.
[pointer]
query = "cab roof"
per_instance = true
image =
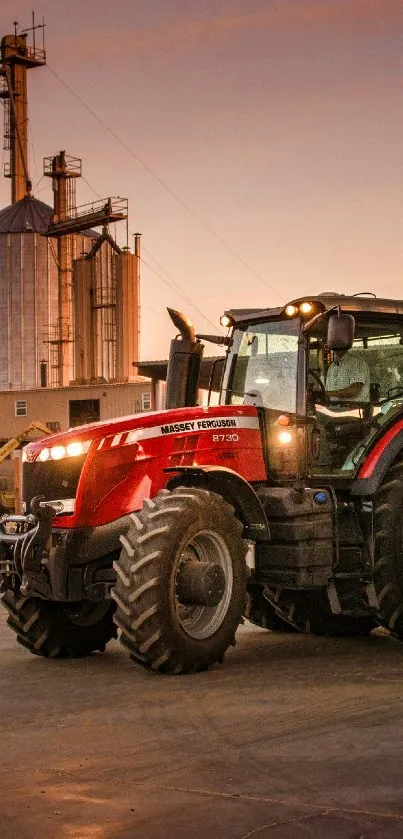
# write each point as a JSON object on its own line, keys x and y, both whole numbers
{"x": 327, "y": 300}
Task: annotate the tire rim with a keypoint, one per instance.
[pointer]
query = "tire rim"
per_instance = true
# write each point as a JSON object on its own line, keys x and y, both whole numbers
{"x": 201, "y": 622}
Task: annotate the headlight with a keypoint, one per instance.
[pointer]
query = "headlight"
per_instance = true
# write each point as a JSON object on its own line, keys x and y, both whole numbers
{"x": 73, "y": 449}
{"x": 305, "y": 308}
{"x": 57, "y": 452}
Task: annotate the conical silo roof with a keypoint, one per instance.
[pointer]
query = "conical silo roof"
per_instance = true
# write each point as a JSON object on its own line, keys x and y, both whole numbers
{"x": 28, "y": 215}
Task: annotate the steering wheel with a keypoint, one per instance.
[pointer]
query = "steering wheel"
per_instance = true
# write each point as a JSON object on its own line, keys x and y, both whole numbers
{"x": 318, "y": 381}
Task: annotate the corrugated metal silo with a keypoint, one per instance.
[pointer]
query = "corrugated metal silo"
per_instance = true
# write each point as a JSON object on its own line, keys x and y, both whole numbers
{"x": 127, "y": 313}
{"x": 28, "y": 292}
{"x": 28, "y": 280}
{"x": 106, "y": 312}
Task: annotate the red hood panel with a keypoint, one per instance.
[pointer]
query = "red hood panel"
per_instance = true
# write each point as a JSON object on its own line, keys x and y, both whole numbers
{"x": 98, "y": 430}
{"x": 128, "y": 456}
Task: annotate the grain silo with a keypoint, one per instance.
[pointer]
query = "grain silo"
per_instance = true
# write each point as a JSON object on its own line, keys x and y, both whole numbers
{"x": 106, "y": 311}
{"x": 28, "y": 292}
{"x": 28, "y": 277}
{"x": 38, "y": 248}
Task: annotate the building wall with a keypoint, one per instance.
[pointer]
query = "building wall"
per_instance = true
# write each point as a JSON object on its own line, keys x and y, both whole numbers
{"x": 51, "y": 405}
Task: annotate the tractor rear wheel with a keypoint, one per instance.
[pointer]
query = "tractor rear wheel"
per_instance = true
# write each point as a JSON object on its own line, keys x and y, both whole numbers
{"x": 60, "y": 630}
{"x": 310, "y": 612}
{"x": 262, "y": 613}
{"x": 388, "y": 568}
{"x": 181, "y": 581}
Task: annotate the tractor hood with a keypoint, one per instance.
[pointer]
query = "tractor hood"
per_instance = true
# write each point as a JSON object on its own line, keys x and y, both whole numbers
{"x": 177, "y": 420}
{"x": 101, "y": 472}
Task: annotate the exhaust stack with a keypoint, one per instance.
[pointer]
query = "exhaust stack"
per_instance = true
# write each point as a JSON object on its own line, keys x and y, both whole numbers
{"x": 184, "y": 364}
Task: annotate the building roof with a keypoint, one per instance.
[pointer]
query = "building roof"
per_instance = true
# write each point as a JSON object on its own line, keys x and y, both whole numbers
{"x": 210, "y": 371}
{"x": 28, "y": 215}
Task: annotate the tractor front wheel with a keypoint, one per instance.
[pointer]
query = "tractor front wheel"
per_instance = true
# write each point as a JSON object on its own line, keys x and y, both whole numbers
{"x": 181, "y": 581}
{"x": 60, "y": 630}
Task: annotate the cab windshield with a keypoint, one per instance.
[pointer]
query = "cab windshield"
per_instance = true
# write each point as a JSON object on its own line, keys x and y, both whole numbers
{"x": 262, "y": 367}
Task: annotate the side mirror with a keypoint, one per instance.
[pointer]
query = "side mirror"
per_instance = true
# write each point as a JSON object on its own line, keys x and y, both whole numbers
{"x": 340, "y": 331}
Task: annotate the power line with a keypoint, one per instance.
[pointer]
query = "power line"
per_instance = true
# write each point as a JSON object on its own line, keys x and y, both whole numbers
{"x": 156, "y": 311}
{"x": 163, "y": 183}
{"x": 173, "y": 284}
{"x": 196, "y": 308}
{"x": 37, "y": 184}
{"x": 180, "y": 290}
{"x": 31, "y": 133}
{"x": 92, "y": 188}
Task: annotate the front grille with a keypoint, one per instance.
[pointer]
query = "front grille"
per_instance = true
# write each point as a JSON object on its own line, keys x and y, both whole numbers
{"x": 54, "y": 479}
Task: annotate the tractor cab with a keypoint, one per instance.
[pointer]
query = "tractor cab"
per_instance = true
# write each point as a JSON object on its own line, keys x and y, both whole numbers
{"x": 327, "y": 374}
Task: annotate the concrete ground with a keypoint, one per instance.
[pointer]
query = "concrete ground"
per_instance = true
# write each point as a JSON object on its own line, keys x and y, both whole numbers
{"x": 294, "y": 736}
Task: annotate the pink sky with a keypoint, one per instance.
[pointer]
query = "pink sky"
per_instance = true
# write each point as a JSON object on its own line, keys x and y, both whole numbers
{"x": 277, "y": 122}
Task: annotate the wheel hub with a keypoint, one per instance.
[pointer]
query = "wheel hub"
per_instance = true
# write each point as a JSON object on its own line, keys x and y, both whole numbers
{"x": 200, "y": 583}
{"x": 203, "y": 584}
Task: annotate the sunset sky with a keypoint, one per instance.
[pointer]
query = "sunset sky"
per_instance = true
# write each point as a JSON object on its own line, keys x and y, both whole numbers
{"x": 260, "y": 143}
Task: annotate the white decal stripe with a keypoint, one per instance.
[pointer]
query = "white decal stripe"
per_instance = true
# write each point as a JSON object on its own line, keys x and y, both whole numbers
{"x": 116, "y": 440}
{"x": 212, "y": 424}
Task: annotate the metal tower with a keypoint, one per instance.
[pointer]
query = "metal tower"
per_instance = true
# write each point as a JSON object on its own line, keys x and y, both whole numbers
{"x": 16, "y": 58}
{"x": 68, "y": 219}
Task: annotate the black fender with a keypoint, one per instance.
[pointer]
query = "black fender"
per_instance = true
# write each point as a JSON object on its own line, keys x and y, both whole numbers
{"x": 372, "y": 472}
{"x": 233, "y": 488}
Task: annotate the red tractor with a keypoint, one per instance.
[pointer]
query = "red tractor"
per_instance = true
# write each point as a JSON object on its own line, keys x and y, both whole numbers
{"x": 282, "y": 503}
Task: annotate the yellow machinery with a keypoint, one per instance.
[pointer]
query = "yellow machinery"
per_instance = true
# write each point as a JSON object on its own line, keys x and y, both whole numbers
{"x": 8, "y": 496}
{"x": 15, "y": 441}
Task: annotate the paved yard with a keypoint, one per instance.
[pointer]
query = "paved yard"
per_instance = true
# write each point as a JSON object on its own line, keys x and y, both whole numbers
{"x": 294, "y": 736}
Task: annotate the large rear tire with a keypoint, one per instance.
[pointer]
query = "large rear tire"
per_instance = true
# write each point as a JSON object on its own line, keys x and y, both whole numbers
{"x": 56, "y": 630}
{"x": 170, "y": 620}
{"x": 310, "y": 612}
{"x": 262, "y": 613}
{"x": 388, "y": 568}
